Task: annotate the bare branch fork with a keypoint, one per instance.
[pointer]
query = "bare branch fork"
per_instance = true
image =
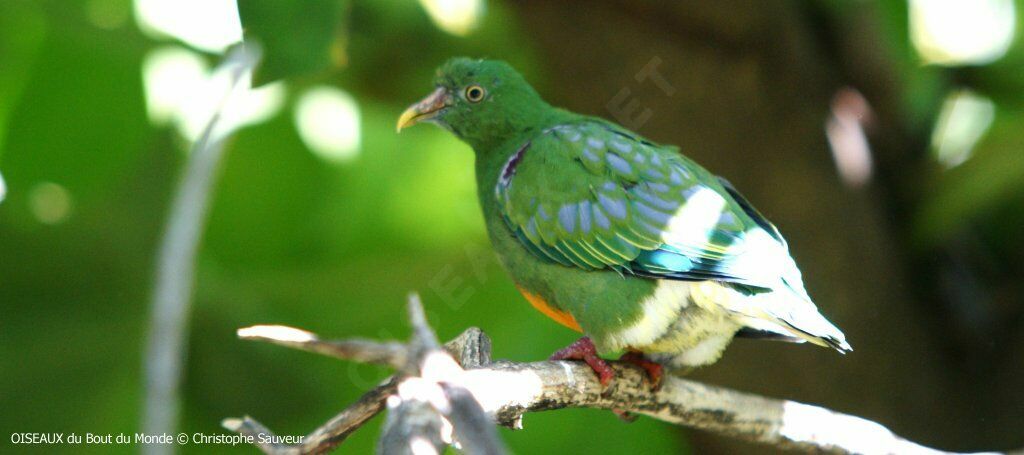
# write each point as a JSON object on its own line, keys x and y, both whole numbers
{"x": 452, "y": 395}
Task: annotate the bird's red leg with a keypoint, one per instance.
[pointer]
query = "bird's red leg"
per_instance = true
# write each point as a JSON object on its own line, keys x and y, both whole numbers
{"x": 583, "y": 349}
{"x": 654, "y": 369}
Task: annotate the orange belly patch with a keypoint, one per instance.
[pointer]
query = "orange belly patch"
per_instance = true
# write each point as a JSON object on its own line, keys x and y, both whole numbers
{"x": 559, "y": 316}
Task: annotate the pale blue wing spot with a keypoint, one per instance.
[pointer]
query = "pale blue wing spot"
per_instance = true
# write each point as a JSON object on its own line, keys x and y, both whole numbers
{"x": 621, "y": 146}
{"x": 655, "y": 200}
{"x": 654, "y": 174}
{"x": 652, "y": 214}
{"x": 727, "y": 218}
{"x": 567, "y": 217}
{"x": 687, "y": 193}
{"x": 658, "y": 186}
{"x": 675, "y": 178}
{"x": 600, "y": 218}
{"x": 614, "y": 206}
{"x": 620, "y": 165}
{"x": 595, "y": 143}
{"x": 584, "y": 209}
{"x": 543, "y": 213}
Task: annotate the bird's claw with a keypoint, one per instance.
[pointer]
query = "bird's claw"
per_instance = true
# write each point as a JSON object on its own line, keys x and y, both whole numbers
{"x": 655, "y": 372}
{"x": 583, "y": 349}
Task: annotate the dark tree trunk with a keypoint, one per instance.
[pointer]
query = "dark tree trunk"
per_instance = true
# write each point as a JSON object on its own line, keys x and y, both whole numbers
{"x": 751, "y": 83}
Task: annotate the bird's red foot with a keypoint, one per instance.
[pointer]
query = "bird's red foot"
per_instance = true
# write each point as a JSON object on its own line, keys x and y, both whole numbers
{"x": 654, "y": 369}
{"x": 583, "y": 349}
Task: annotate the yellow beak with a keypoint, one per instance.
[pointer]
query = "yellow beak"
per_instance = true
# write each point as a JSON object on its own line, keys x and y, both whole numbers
{"x": 426, "y": 109}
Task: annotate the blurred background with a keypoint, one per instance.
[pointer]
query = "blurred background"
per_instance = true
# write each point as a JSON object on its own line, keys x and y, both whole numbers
{"x": 884, "y": 138}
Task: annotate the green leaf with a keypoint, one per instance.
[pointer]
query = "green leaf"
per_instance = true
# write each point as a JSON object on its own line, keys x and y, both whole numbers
{"x": 298, "y": 38}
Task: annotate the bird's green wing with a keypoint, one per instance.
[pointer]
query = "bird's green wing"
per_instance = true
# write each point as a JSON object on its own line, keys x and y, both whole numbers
{"x": 592, "y": 196}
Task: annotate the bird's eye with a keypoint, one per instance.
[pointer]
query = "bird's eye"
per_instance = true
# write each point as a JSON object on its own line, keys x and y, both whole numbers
{"x": 475, "y": 93}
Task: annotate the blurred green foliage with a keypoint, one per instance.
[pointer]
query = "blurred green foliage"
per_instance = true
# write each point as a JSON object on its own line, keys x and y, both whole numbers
{"x": 297, "y": 39}
{"x": 291, "y": 239}
{"x": 296, "y": 240}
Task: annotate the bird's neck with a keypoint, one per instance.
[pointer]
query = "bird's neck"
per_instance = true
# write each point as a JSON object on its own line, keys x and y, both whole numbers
{"x": 495, "y": 135}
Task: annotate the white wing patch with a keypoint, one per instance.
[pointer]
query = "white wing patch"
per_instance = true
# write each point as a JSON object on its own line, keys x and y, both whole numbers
{"x": 693, "y": 221}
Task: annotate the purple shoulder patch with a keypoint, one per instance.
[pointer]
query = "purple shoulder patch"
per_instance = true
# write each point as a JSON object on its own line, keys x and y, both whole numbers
{"x": 510, "y": 166}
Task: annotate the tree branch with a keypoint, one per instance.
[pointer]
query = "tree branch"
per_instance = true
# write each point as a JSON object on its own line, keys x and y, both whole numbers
{"x": 505, "y": 391}
{"x": 471, "y": 348}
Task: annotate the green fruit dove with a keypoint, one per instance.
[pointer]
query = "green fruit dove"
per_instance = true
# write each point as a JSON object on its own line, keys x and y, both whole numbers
{"x": 612, "y": 235}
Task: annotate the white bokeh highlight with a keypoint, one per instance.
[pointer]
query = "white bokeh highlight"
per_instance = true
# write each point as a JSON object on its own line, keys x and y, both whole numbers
{"x": 963, "y": 121}
{"x": 328, "y": 121}
{"x": 209, "y": 25}
{"x": 49, "y": 202}
{"x": 458, "y": 17}
{"x": 181, "y": 90}
{"x": 962, "y": 32}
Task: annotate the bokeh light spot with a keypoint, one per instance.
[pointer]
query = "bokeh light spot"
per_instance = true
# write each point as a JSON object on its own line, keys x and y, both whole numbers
{"x": 458, "y": 17}
{"x": 847, "y": 138}
{"x": 170, "y": 75}
{"x": 956, "y": 32}
{"x": 964, "y": 119}
{"x": 328, "y": 122}
{"x": 210, "y": 25}
{"x": 108, "y": 14}
{"x": 181, "y": 90}
{"x": 50, "y": 202}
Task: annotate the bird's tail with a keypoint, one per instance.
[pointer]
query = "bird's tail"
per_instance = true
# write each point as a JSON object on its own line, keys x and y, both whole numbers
{"x": 814, "y": 328}
{"x": 787, "y": 314}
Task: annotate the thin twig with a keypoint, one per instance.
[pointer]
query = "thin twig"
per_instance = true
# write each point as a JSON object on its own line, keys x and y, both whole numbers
{"x": 359, "y": 350}
{"x": 334, "y": 431}
{"x": 175, "y": 264}
{"x": 260, "y": 434}
{"x": 330, "y": 434}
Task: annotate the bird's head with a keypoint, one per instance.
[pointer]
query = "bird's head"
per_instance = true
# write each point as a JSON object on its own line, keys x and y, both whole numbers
{"x": 481, "y": 101}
